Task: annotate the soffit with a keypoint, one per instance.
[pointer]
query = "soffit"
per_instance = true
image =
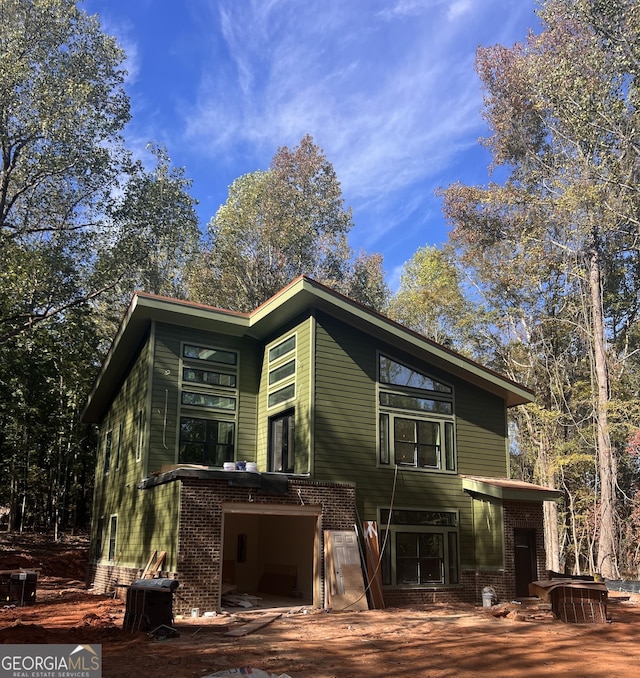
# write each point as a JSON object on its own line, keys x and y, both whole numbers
{"x": 507, "y": 489}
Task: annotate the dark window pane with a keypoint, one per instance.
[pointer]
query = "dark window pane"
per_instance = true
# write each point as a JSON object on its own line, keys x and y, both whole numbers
{"x": 449, "y": 447}
{"x": 282, "y": 372}
{"x": 392, "y": 372}
{"x": 282, "y": 348}
{"x": 208, "y": 378}
{"x": 407, "y": 402}
{"x": 282, "y": 395}
{"x": 384, "y": 439}
{"x": 212, "y": 400}
{"x": 213, "y": 355}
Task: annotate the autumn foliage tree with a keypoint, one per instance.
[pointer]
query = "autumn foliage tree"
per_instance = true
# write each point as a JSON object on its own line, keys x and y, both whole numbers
{"x": 281, "y": 223}
{"x": 563, "y": 113}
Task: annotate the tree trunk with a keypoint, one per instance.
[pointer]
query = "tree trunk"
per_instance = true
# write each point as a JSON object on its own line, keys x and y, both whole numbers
{"x": 607, "y": 461}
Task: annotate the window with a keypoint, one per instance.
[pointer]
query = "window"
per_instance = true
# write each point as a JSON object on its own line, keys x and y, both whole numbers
{"x": 140, "y": 436}
{"x": 282, "y": 348}
{"x": 212, "y": 400}
{"x": 206, "y": 441}
{"x": 415, "y": 424}
{"x": 119, "y": 446}
{"x": 99, "y": 537}
{"x": 282, "y": 372}
{"x": 113, "y": 530}
{"x": 212, "y": 355}
{"x": 421, "y": 547}
{"x": 208, "y": 378}
{"x": 209, "y": 403}
{"x": 282, "y": 442}
{"x": 108, "y": 444}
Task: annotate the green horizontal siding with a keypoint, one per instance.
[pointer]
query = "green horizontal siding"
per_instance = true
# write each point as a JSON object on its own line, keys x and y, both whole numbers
{"x": 144, "y": 523}
{"x": 345, "y": 427}
{"x": 302, "y": 329}
{"x": 165, "y": 405}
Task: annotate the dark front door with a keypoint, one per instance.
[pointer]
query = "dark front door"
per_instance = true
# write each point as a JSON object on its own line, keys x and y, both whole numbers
{"x": 524, "y": 541}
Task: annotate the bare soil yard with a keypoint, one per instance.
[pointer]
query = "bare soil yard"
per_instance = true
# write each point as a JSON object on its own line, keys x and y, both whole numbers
{"x": 434, "y": 641}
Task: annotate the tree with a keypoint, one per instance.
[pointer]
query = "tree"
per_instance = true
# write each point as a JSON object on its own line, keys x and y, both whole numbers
{"x": 278, "y": 224}
{"x": 62, "y": 108}
{"x": 563, "y": 113}
{"x": 430, "y": 300}
{"x": 155, "y": 229}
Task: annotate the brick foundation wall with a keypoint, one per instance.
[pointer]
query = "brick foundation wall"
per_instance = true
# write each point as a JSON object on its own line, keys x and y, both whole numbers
{"x": 103, "y": 578}
{"x": 199, "y": 537}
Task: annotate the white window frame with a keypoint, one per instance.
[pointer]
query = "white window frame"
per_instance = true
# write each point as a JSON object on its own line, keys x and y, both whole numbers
{"x": 112, "y": 543}
{"x": 287, "y": 383}
{"x": 108, "y": 450}
{"x": 140, "y": 424}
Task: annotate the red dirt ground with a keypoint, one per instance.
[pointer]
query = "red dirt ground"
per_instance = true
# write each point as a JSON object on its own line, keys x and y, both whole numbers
{"x": 435, "y": 641}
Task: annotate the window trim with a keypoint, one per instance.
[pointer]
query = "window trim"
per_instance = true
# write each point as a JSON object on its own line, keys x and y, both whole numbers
{"x": 119, "y": 446}
{"x": 288, "y": 414}
{"x": 287, "y": 382}
{"x": 450, "y": 542}
{"x": 108, "y": 450}
{"x": 207, "y": 420}
{"x": 112, "y": 544}
{"x": 204, "y": 411}
{"x": 140, "y": 424}
{"x": 387, "y": 415}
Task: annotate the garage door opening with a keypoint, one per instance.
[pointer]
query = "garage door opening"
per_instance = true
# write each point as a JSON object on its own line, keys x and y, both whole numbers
{"x": 272, "y": 553}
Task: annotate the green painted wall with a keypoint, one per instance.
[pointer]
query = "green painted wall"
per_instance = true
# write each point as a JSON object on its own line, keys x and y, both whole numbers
{"x": 489, "y": 530}
{"x": 345, "y": 427}
{"x": 165, "y": 394}
{"x": 144, "y": 522}
{"x": 303, "y": 356}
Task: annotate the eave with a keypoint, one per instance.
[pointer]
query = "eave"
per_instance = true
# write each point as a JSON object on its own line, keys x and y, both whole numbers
{"x": 302, "y": 294}
{"x": 507, "y": 489}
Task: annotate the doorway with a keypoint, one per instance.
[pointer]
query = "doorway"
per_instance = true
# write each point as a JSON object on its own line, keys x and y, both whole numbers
{"x": 271, "y": 552}
{"x": 525, "y": 557}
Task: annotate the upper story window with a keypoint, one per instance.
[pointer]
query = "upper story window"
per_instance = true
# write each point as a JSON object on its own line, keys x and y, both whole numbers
{"x": 108, "y": 445}
{"x": 416, "y": 422}
{"x": 209, "y": 405}
{"x": 205, "y": 387}
{"x": 282, "y": 372}
{"x": 212, "y": 355}
{"x": 282, "y": 348}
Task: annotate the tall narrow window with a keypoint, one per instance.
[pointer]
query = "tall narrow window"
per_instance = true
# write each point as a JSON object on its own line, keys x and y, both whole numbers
{"x": 113, "y": 533}
{"x": 119, "y": 446}
{"x": 108, "y": 443}
{"x": 282, "y": 442}
{"x": 140, "y": 435}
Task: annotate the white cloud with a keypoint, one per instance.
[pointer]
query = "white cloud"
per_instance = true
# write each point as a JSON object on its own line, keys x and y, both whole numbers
{"x": 389, "y": 92}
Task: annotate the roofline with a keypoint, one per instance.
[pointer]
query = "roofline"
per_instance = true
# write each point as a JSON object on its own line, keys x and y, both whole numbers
{"x": 299, "y": 295}
{"x": 384, "y": 322}
{"x": 508, "y": 489}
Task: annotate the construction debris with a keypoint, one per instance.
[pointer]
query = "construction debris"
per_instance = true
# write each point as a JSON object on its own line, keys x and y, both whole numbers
{"x": 252, "y": 626}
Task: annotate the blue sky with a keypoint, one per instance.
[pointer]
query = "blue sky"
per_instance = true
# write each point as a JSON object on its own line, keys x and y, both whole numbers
{"x": 387, "y": 88}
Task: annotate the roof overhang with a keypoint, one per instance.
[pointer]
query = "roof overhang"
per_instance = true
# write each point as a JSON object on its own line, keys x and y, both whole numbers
{"x": 505, "y": 488}
{"x": 298, "y": 297}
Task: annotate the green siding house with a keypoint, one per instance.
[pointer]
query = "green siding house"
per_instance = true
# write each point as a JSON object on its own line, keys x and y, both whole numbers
{"x": 341, "y": 416}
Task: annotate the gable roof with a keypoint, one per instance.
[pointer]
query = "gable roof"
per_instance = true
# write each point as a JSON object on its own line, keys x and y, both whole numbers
{"x": 302, "y": 294}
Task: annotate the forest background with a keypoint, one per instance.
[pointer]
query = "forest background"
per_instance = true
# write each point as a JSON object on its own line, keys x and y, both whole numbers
{"x": 539, "y": 280}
